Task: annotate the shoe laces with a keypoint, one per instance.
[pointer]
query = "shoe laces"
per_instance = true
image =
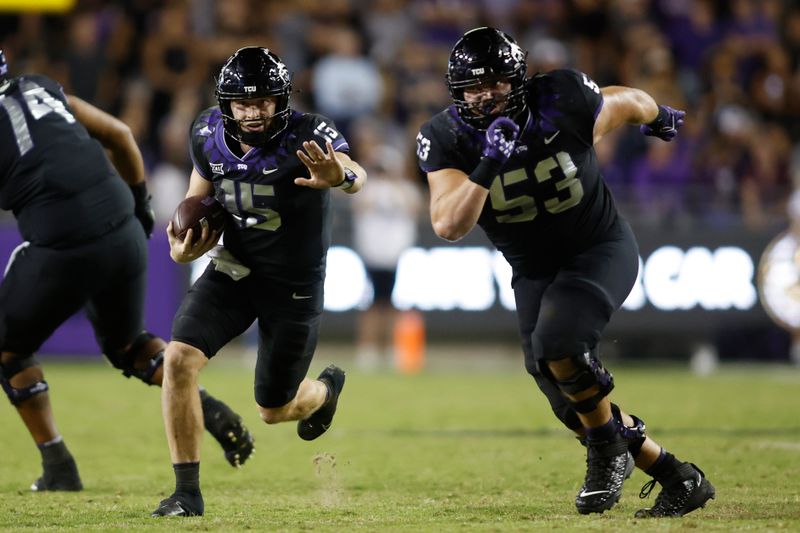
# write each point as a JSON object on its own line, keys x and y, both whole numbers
{"x": 647, "y": 489}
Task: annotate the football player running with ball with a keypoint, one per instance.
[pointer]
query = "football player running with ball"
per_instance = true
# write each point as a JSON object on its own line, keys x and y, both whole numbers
{"x": 272, "y": 169}
{"x": 515, "y": 155}
{"x": 84, "y": 248}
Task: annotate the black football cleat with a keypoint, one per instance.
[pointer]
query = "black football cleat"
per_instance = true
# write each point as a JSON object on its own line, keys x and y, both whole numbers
{"x": 59, "y": 477}
{"x": 684, "y": 491}
{"x": 319, "y": 422}
{"x": 227, "y": 428}
{"x": 608, "y": 464}
{"x": 180, "y": 504}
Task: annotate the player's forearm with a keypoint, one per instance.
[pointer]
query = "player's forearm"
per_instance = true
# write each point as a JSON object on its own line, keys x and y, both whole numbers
{"x": 456, "y": 212}
{"x": 114, "y": 135}
{"x": 361, "y": 177}
{"x": 127, "y": 158}
{"x": 643, "y": 108}
{"x": 623, "y": 106}
{"x": 634, "y": 106}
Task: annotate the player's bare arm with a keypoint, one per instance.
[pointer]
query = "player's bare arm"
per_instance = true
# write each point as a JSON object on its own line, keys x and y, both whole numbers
{"x": 621, "y": 106}
{"x": 114, "y": 135}
{"x": 184, "y": 251}
{"x": 457, "y": 199}
{"x": 627, "y": 105}
{"x": 124, "y": 153}
{"x": 356, "y": 169}
{"x": 456, "y": 203}
{"x": 327, "y": 168}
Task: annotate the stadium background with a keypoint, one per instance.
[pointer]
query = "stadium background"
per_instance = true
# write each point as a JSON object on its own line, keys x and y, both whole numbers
{"x": 705, "y": 207}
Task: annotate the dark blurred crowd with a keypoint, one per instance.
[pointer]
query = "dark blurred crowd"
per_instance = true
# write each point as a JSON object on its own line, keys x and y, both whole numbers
{"x": 377, "y": 68}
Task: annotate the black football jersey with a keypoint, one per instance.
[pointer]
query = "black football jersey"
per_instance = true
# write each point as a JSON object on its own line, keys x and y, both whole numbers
{"x": 550, "y": 200}
{"x": 56, "y": 179}
{"x": 276, "y": 228}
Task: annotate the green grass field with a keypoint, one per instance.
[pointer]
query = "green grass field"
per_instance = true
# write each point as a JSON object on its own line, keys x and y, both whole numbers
{"x": 464, "y": 449}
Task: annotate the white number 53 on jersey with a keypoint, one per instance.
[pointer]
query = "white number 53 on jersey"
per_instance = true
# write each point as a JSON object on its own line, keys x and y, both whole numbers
{"x": 569, "y": 190}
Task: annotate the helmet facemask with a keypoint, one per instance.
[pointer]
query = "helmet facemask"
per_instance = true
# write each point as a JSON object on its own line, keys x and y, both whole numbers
{"x": 479, "y": 114}
{"x": 235, "y": 128}
{"x": 252, "y": 73}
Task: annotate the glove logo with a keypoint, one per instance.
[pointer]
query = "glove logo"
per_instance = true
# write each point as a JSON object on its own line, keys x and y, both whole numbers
{"x": 548, "y": 140}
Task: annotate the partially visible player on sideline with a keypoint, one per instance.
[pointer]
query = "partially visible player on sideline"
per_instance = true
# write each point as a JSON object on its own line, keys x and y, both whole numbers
{"x": 264, "y": 163}
{"x": 515, "y": 155}
{"x": 82, "y": 219}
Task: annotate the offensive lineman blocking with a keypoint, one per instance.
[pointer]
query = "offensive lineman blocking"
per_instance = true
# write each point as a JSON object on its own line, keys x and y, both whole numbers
{"x": 515, "y": 156}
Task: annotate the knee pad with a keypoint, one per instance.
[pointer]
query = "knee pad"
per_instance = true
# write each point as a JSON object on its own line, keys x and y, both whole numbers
{"x": 144, "y": 357}
{"x": 11, "y": 368}
{"x": 561, "y": 408}
{"x": 590, "y": 373}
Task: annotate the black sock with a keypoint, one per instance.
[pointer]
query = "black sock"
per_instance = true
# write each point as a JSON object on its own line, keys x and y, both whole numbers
{"x": 187, "y": 477}
{"x": 55, "y": 452}
{"x": 606, "y": 432}
{"x": 664, "y": 467}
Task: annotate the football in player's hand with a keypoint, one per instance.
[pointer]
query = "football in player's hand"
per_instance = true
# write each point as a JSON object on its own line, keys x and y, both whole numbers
{"x": 196, "y": 211}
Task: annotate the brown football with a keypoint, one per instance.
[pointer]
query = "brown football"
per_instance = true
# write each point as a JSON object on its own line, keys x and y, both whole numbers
{"x": 195, "y": 211}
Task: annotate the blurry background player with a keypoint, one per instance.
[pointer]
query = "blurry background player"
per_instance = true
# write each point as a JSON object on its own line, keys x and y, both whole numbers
{"x": 384, "y": 226}
{"x": 264, "y": 163}
{"x": 515, "y": 156}
{"x": 84, "y": 247}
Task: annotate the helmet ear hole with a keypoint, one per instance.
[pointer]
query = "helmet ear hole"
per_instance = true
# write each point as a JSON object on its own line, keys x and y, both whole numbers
{"x": 481, "y": 55}
{"x": 254, "y": 72}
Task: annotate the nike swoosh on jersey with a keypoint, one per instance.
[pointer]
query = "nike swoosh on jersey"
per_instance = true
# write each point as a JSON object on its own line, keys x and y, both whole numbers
{"x": 593, "y": 492}
{"x": 548, "y": 140}
{"x": 296, "y": 296}
{"x": 269, "y": 170}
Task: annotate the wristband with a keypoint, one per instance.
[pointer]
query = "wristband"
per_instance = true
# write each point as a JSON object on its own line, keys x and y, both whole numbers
{"x": 349, "y": 180}
{"x": 485, "y": 172}
{"x": 661, "y": 119}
